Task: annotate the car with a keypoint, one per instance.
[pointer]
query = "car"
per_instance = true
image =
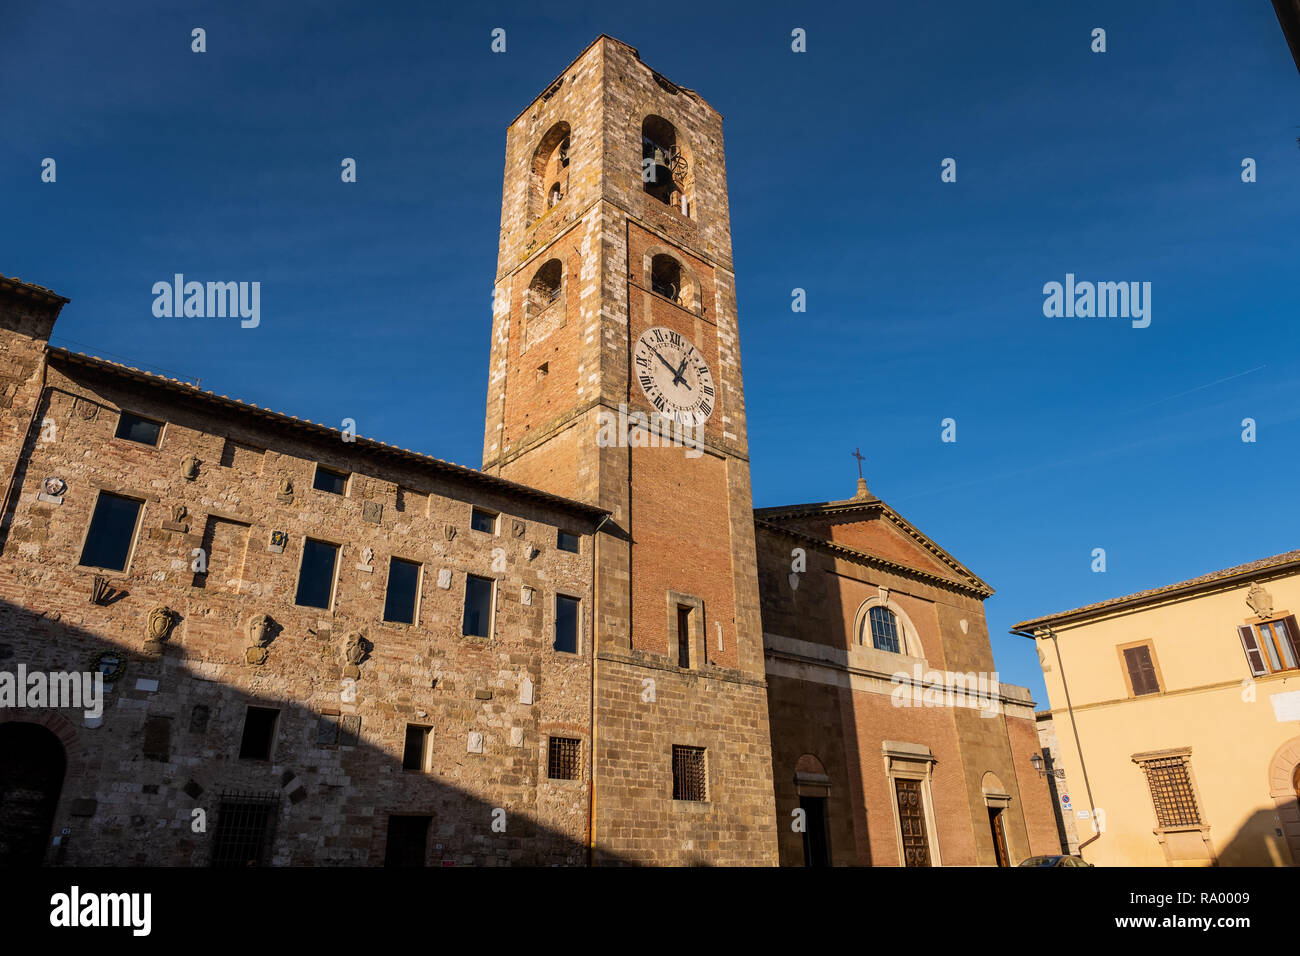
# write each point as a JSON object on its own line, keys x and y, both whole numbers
{"x": 1059, "y": 860}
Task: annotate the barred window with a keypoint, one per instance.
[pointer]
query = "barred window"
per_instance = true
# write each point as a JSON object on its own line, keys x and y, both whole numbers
{"x": 564, "y": 759}
{"x": 245, "y": 828}
{"x": 884, "y": 629}
{"x": 1171, "y": 792}
{"x": 689, "y": 773}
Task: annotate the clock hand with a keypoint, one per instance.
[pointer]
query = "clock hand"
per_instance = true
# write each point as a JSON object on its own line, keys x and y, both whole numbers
{"x": 677, "y": 375}
{"x": 666, "y": 365}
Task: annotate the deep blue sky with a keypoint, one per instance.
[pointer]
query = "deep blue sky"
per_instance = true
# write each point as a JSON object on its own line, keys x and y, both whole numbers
{"x": 924, "y": 298}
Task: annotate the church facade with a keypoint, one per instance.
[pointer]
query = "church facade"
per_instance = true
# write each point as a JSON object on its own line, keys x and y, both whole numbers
{"x": 317, "y": 648}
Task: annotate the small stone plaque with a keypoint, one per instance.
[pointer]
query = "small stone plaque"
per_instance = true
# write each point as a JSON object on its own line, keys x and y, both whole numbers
{"x": 444, "y": 579}
{"x": 349, "y": 730}
{"x": 516, "y": 736}
{"x": 475, "y": 744}
{"x": 526, "y": 596}
{"x": 278, "y": 540}
{"x": 526, "y": 691}
{"x": 518, "y": 528}
{"x": 371, "y": 511}
{"x": 52, "y": 499}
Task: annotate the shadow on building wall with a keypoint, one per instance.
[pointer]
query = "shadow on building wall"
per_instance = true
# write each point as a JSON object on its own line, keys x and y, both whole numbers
{"x": 132, "y": 788}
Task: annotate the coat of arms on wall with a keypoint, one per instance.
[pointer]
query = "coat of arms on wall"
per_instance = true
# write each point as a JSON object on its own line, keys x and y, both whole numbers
{"x": 1259, "y": 600}
{"x": 161, "y": 622}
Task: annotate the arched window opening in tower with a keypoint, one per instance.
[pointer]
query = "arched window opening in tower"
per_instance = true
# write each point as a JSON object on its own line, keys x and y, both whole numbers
{"x": 666, "y": 277}
{"x": 550, "y": 171}
{"x": 665, "y": 169}
{"x": 546, "y": 286}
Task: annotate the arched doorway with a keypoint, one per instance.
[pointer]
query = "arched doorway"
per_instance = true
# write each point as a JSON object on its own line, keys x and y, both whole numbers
{"x": 813, "y": 786}
{"x": 1284, "y": 788}
{"x": 32, "y": 765}
{"x": 996, "y": 801}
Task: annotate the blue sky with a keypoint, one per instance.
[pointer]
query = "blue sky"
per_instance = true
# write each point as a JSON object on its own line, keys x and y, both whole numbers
{"x": 924, "y": 298}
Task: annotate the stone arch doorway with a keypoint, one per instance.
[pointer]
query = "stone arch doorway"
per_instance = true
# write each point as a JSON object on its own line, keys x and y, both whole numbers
{"x": 1284, "y": 788}
{"x": 813, "y": 786}
{"x": 996, "y": 801}
{"x": 32, "y": 768}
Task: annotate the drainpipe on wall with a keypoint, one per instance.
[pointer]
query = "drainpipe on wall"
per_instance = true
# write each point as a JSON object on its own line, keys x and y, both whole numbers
{"x": 595, "y": 618}
{"x": 31, "y": 426}
{"x": 1092, "y": 808}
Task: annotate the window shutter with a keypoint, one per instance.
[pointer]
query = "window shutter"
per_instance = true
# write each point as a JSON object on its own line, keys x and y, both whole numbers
{"x": 1293, "y": 635}
{"x": 1254, "y": 656}
{"x": 1141, "y": 672}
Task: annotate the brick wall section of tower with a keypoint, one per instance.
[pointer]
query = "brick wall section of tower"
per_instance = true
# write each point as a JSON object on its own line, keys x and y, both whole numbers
{"x": 125, "y": 806}
{"x": 679, "y": 525}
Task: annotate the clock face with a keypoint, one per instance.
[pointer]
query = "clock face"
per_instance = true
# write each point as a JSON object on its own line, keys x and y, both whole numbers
{"x": 674, "y": 376}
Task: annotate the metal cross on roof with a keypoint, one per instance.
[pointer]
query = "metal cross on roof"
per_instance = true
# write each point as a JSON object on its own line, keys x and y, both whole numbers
{"x": 857, "y": 453}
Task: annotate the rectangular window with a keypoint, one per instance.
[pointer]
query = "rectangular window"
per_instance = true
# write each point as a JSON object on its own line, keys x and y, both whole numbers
{"x": 1141, "y": 670}
{"x": 478, "y": 606}
{"x": 566, "y": 624}
{"x": 334, "y": 482}
{"x": 683, "y": 635}
{"x": 245, "y": 827}
{"x": 146, "y": 431}
{"x": 259, "y": 733}
{"x": 408, "y": 841}
{"x": 316, "y": 576}
{"x": 485, "y": 521}
{"x": 415, "y": 752}
{"x": 112, "y": 528}
{"x": 564, "y": 759}
{"x": 689, "y": 773}
{"x": 568, "y": 542}
{"x": 1271, "y": 646}
{"x": 1171, "y": 791}
{"x": 403, "y": 594}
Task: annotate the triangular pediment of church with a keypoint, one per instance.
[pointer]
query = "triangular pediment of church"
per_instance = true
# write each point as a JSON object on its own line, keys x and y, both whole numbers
{"x": 875, "y": 529}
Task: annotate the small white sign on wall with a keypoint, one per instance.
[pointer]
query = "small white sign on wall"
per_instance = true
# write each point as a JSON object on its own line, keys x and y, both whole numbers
{"x": 1286, "y": 707}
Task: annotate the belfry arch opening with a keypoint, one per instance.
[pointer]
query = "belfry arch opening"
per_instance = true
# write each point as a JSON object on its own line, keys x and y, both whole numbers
{"x": 549, "y": 176}
{"x": 666, "y": 169}
{"x": 546, "y": 287}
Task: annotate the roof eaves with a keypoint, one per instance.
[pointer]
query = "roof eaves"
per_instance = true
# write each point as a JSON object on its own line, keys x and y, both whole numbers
{"x": 304, "y": 425}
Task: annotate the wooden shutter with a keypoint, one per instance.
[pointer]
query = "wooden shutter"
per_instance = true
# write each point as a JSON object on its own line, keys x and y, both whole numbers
{"x": 1141, "y": 671}
{"x": 1254, "y": 656}
{"x": 1293, "y": 635}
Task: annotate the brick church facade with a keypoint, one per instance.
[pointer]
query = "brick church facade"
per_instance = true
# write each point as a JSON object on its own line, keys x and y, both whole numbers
{"x": 320, "y": 649}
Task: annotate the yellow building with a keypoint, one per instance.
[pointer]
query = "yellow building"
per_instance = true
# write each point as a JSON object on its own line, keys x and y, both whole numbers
{"x": 1177, "y": 712}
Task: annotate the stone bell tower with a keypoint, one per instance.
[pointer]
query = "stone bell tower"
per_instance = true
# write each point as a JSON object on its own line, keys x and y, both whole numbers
{"x": 615, "y": 379}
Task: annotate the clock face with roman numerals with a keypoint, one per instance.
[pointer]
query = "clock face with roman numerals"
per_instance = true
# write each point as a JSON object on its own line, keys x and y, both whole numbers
{"x": 674, "y": 376}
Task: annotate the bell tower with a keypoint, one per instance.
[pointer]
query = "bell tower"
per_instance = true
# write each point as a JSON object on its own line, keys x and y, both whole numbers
{"x": 615, "y": 379}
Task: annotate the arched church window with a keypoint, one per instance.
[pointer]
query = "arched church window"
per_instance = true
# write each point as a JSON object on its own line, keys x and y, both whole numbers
{"x": 884, "y": 630}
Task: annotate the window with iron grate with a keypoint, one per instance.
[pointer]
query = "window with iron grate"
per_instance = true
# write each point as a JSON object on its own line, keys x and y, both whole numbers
{"x": 564, "y": 758}
{"x": 245, "y": 828}
{"x": 1171, "y": 792}
{"x": 689, "y": 773}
